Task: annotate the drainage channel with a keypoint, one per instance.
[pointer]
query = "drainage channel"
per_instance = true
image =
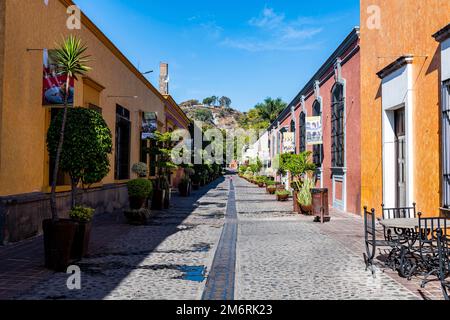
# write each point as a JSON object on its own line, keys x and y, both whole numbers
{"x": 220, "y": 282}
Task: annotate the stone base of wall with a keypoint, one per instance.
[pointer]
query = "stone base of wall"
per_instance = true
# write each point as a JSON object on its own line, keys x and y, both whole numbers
{"x": 21, "y": 216}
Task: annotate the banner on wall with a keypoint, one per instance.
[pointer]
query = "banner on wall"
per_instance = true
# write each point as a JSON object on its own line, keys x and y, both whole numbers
{"x": 314, "y": 131}
{"x": 288, "y": 142}
{"x": 54, "y": 84}
{"x": 149, "y": 125}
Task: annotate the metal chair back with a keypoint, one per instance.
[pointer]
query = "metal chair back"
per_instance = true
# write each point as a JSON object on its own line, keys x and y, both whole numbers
{"x": 398, "y": 213}
{"x": 444, "y": 262}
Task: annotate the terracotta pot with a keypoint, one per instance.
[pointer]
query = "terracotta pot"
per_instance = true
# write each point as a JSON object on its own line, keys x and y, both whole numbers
{"x": 137, "y": 217}
{"x": 158, "y": 199}
{"x": 80, "y": 246}
{"x": 183, "y": 190}
{"x": 271, "y": 190}
{"x": 58, "y": 240}
{"x": 306, "y": 210}
{"x": 167, "y": 196}
{"x": 261, "y": 185}
{"x": 282, "y": 197}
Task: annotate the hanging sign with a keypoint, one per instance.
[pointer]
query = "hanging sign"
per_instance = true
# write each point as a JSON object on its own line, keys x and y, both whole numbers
{"x": 288, "y": 142}
{"x": 54, "y": 84}
{"x": 149, "y": 125}
{"x": 314, "y": 131}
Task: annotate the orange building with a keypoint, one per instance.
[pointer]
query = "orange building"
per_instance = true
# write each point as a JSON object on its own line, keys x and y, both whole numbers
{"x": 114, "y": 87}
{"x": 402, "y": 142}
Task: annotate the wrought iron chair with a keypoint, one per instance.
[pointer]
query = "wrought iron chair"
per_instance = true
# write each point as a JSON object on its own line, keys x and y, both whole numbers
{"x": 374, "y": 238}
{"x": 428, "y": 245}
{"x": 444, "y": 262}
{"x": 398, "y": 213}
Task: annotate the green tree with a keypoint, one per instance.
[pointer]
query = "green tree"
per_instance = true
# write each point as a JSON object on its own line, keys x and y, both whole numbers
{"x": 208, "y": 101}
{"x": 270, "y": 109}
{"x": 225, "y": 102}
{"x": 86, "y": 148}
{"x": 70, "y": 60}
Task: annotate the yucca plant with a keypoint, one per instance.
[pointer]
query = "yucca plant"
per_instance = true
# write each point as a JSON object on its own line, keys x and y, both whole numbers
{"x": 70, "y": 60}
{"x": 304, "y": 196}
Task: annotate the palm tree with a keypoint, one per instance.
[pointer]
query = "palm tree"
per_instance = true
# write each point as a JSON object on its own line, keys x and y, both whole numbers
{"x": 270, "y": 109}
{"x": 70, "y": 60}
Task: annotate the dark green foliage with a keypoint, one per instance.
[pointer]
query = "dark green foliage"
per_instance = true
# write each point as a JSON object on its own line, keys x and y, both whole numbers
{"x": 140, "y": 188}
{"x": 87, "y": 145}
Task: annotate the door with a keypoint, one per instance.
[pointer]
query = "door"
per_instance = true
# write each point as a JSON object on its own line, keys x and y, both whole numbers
{"x": 400, "y": 148}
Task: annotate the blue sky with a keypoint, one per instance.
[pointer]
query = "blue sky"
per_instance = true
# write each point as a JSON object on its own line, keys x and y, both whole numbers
{"x": 246, "y": 50}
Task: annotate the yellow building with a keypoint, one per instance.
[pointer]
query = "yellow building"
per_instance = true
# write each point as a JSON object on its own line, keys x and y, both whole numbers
{"x": 114, "y": 87}
{"x": 401, "y": 144}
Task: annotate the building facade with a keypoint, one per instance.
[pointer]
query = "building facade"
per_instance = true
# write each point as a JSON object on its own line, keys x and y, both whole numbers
{"x": 333, "y": 93}
{"x": 113, "y": 87}
{"x": 402, "y": 84}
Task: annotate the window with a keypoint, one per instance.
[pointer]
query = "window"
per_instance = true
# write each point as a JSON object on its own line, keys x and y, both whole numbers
{"x": 123, "y": 137}
{"x": 337, "y": 127}
{"x": 302, "y": 130}
{"x": 317, "y": 149}
{"x": 446, "y": 145}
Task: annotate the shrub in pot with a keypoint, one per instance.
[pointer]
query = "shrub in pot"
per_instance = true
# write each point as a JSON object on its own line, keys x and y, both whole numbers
{"x": 139, "y": 190}
{"x": 282, "y": 195}
{"x": 83, "y": 217}
{"x": 84, "y": 155}
{"x": 304, "y": 196}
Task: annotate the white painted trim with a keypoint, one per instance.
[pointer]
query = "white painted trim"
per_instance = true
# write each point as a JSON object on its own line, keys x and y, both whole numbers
{"x": 396, "y": 93}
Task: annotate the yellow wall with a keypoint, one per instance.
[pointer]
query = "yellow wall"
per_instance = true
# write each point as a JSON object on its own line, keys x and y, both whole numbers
{"x": 23, "y": 121}
{"x": 2, "y": 49}
{"x": 407, "y": 27}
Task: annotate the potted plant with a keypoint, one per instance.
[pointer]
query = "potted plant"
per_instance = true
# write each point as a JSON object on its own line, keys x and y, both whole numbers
{"x": 139, "y": 190}
{"x": 70, "y": 60}
{"x": 271, "y": 187}
{"x": 282, "y": 195}
{"x": 83, "y": 217}
{"x": 137, "y": 217}
{"x": 304, "y": 196}
{"x": 162, "y": 149}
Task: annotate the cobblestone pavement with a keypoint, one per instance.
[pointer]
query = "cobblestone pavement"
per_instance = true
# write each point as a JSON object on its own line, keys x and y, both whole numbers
{"x": 167, "y": 259}
{"x": 284, "y": 256}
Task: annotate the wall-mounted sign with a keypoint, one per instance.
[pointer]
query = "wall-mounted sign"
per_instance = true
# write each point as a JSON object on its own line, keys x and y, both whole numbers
{"x": 54, "y": 84}
{"x": 288, "y": 142}
{"x": 314, "y": 131}
{"x": 149, "y": 125}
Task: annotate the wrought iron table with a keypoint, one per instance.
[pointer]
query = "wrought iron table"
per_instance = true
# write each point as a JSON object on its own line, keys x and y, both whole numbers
{"x": 406, "y": 256}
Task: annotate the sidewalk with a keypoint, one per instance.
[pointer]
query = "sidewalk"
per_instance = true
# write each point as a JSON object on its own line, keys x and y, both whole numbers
{"x": 128, "y": 262}
{"x": 297, "y": 258}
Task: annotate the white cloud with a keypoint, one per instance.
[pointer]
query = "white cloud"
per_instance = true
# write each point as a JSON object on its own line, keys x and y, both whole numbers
{"x": 276, "y": 33}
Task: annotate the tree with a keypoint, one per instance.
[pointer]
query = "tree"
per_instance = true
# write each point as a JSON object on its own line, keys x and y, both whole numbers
{"x": 203, "y": 115}
{"x": 215, "y": 99}
{"x": 208, "y": 101}
{"x": 225, "y": 102}
{"x": 86, "y": 149}
{"x": 71, "y": 62}
{"x": 270, "y": 109}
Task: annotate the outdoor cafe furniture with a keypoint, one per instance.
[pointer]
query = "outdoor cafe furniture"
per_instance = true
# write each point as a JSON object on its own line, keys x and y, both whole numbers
{"x": 414, "y": 244}
{"x": 444, "y": 262}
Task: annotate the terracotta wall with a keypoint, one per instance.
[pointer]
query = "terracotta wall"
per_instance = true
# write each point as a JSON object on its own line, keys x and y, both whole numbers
{"x": 23, "y": 121}
{"x": 406, "y": 28}
{"x": 2, "y": 53}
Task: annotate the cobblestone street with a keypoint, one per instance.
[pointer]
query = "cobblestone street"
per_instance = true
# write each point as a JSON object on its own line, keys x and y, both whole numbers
{"x": 231, "y": 241}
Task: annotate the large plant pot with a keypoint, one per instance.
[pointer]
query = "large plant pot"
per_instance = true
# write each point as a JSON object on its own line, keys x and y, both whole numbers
{"x": 80, "y": 246}
{"x": 137, "y": 203}
{"x": 58, "y": 240}
{"x": 271, "y": 190}
{"x": 167, "y": 196}
{"x": 282, "y": 198}
{"x": 306, "y": 210}
{"x": 184, "y": 190}
{"x": 158, "y": 199}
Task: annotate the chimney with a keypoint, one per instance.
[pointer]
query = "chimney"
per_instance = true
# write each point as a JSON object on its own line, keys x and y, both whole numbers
{"x": 164, "y": 78}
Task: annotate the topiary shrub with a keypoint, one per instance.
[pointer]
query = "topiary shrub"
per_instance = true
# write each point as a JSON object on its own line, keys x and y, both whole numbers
{"x": 81, "y": 214}
{"x": 86, "y": 149}
{"x": 140, "y": 169}
{"x": 140, "y": 188}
